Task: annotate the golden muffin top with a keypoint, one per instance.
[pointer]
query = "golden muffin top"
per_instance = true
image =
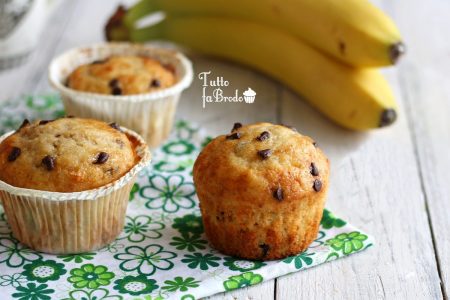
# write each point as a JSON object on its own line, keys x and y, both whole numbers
{"x": 66, "y": 155}
{"x": 262, "y": 162}
{"x": 122, "y": 75}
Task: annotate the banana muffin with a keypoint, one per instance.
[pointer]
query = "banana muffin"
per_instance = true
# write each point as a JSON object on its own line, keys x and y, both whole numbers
{"x": 65, "y": 183}
{"x": 66, "y": 155}
{"x": 122, "y": 75}
{"x": 262, "y": 190}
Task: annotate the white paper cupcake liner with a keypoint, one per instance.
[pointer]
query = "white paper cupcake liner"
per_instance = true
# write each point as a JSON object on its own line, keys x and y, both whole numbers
{"x": 64, "y": 223}
{"x": 151, "y": 114}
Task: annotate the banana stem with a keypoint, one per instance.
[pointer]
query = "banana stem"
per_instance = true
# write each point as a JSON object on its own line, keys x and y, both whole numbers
{"x": 138, "y": 11}
{"x": 114, "y": 28}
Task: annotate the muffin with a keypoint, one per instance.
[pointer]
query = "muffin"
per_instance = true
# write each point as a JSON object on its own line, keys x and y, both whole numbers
{"x": 262, "y": 190}
{"x": 66, "y": 155}
{"x": 65, "y": 183}
{"x": 121, "y": 75}
{"x": 135, "y": 85}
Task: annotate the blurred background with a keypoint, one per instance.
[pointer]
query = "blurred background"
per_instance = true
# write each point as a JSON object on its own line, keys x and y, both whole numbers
{"x": 393, "y": 182}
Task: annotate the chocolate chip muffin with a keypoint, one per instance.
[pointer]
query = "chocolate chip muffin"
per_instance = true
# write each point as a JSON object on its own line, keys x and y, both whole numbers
{"x": 65, "y": 183}
{"x": 262, "y": 190}
{"x": 122, "y": 75}
{"x": 66, "y": 155}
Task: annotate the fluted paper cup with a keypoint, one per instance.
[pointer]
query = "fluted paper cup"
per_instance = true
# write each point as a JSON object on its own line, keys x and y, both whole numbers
{"x": 150, "y": 114}
{"x": 64, "y": 223}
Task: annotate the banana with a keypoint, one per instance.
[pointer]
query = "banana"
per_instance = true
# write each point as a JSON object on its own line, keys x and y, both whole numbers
{"x": 357, "y": 99}
{"x": 353, "y": 31}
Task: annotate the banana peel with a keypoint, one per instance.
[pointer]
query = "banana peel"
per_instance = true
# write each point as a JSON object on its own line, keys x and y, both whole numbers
{"x": 358, "y": 99}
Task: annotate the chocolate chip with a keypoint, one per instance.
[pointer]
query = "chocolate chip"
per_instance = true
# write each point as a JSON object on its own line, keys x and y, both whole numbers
{"x": 234, "y": 136}
{"x": 49, "y": 162}
{"x": 115, "y": 126}
{"x": 263, "y": 136}
{"x": 98, "y": 61}
{"x": 265, "y": 249}
{"x": 114, "y": 83}
{"x": 317, "y": 186}
{"x": 24, "y": 124}
{"x": 236, "y": 126}
{"x": 14, "y": 154}
{"x": 102, "y": 157}
{"x": 290, "y": 127}
{"x": 315, "y": 144}
{"x": 155, "y": 83}
{"x": 43, "y": 122}
{"x": 116, "y": 91}
{"x": 264, "y": 154}
{"x": 314, "y": 170}
{"x": 278, "y": 194}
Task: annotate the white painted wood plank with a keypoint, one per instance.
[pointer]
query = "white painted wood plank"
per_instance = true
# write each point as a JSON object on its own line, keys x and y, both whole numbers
{"x": 387, "y": 209}
{"x": 218, "y": 118}
{"x": 376, "y": 188}
{"x": 425, "y": 81}
{"x": 383, "y": 194}
{"x": 263, "y": 291}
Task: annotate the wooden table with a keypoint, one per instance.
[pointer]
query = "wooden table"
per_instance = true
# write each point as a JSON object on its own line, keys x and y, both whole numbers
{"x": 393, "y": 183}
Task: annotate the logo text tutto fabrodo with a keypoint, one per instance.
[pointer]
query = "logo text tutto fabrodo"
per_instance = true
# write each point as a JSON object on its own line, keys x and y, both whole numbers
{"x": 212, "y": 91}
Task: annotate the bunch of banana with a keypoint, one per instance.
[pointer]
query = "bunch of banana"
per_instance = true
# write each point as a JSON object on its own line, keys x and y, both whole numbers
{"x": 318, "y": 48}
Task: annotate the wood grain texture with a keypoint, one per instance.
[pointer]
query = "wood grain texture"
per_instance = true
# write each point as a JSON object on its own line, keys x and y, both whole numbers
{"x": 424, "y": 78}
{"x": 376, "y": 188}
{"x": 385, "y": 186}
{"x": 392, "y": 183}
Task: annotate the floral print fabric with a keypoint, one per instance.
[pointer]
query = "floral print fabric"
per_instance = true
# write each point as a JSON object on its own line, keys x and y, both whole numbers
{"x": 162, "y": 252}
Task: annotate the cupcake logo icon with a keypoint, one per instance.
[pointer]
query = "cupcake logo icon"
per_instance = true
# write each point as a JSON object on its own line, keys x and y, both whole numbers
{"x": 249, "y": 95}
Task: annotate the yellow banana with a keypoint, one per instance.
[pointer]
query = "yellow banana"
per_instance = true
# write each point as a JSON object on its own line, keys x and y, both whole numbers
{"x": 353, "y": 31}
{"x": 354, "y": 98}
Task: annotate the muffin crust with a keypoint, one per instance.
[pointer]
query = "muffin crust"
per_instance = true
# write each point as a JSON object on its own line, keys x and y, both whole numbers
{"x": 262, "y": 190}
{"x": 121, "y": 75}
{"x": 66, "y": 155}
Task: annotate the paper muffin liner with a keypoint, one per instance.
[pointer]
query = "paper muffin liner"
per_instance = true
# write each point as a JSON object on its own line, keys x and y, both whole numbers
{"x": 150, "y": 114}
{"x": 64, "y": 223}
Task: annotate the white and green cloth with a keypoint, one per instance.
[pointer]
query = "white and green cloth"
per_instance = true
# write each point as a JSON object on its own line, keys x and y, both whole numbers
{"x": 162, "y": 252}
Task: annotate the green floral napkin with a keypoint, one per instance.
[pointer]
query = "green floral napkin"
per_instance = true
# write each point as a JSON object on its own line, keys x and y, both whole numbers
{"x": 162, "y": 252}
